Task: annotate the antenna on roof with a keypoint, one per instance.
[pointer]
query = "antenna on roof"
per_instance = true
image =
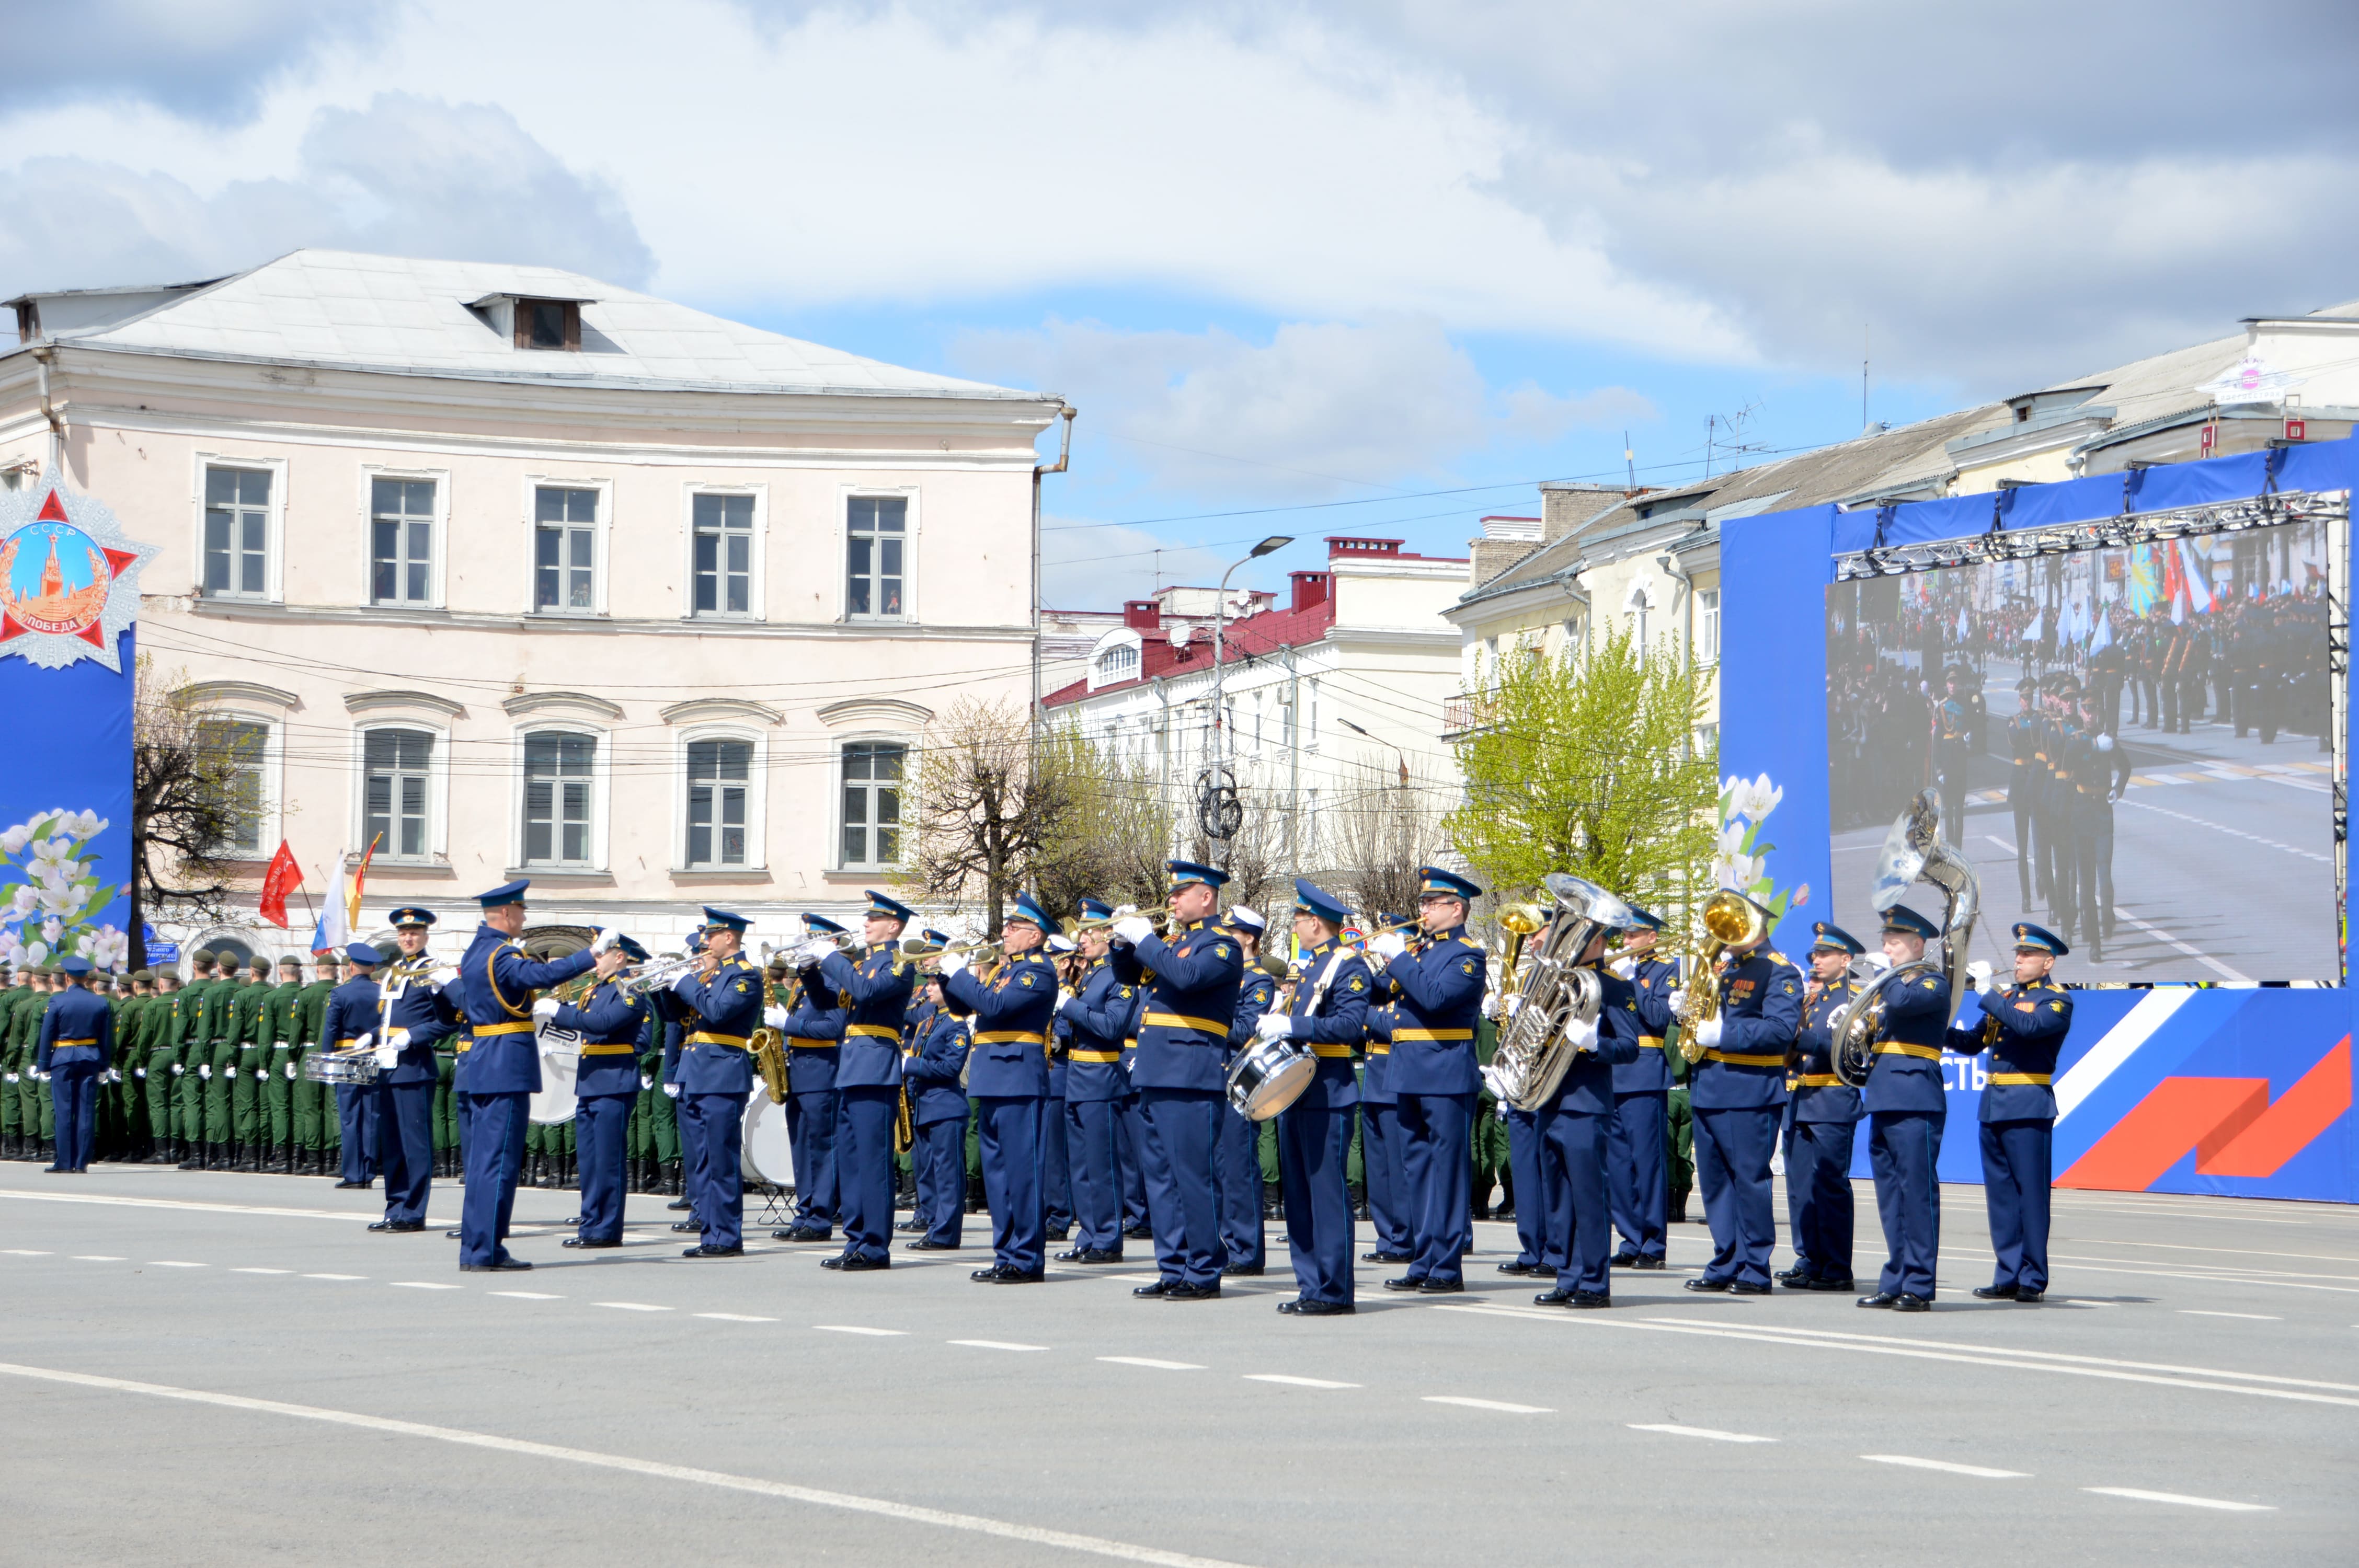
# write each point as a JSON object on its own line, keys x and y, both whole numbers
{"x": 1862, "y": 375}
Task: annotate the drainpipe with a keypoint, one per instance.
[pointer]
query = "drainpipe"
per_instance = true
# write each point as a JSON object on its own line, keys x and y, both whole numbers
{"x": 42, "y": 358}
{"x": 1064, "y": 457}
{"x": 1671, "y": 567}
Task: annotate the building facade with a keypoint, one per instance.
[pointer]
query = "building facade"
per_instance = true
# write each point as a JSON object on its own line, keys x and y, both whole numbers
{"x": 504, "y": 572}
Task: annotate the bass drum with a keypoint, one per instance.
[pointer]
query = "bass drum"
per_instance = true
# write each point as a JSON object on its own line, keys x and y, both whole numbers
{"x": 553, "y": 1103}
{"x": 762, "y": 1154}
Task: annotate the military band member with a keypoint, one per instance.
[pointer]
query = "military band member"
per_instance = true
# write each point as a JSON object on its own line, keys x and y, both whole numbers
{"x": 1007, "y": 1079}
{"x": 2023, "y": 1027}
{"x": 1056, "y": 1155}
{"x": 1327, "y": 1013}
{"x": 875, "y": 991}
{"x": 1573, "y": 1126}
{"x": 503, "y": 1068}
{"x": 1638, "y": 1172}
{"x": 1389, "y": 1208}
{"x": 716, "y": 1079}
{"x": 1236, "y": 1160}
{"x": 1906, "y": 1107}
{"x": 413, "y": 1017}
{"x": 612, "y": 1023}
{"x": 351, "y": 1022}
{"x": 75, "y": 1047}
{"x": 814, "y": 1032}
{"x": 1439, "y": 983}
{"x": 1097, "y": 1009}
{"x": 1825, "y": 1118}
{"x": 1188, "y": 983}
{"x": 938, "y": 1110}
{"x": 1738, "y": 1087}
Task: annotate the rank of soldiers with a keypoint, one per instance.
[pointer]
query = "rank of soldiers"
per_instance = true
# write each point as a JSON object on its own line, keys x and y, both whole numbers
{"x": 1079, "y": 1088}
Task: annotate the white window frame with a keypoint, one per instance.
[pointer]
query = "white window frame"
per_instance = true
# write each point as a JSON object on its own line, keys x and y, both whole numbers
{"x": 1708, "y": 626}
{"x": 271, "y": 827}
{"x": 845, "y": 495}
{"x": 600, "y": 530}
{"x": 439, "y": 571}
{"x": 602, "y": 763}
{"x": 438, "y": 790}
{"x": 758, "y": 589}
{"x": 839, "y": 741}
{"x": 1310, "y": 713}
{"x": 275, "y": 528}
{"x": 1638, "y": 606}
{"x": 757, "y": 795}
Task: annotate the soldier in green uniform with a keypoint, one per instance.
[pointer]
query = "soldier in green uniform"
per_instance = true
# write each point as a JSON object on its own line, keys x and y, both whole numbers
{"x": 17, "y": 984}
{"x": 655, "y": 1130}
{"x": 315, "y": 1125}
{"x": 277, "y": 1032}
{"x": 196, "y": 1061}
{"x": 250, "y": 1033}
{"x": 24, "y": 1088}
{"x": 159, "y": 1055}
{"x": 114, "y": 1125}
{"x": 1487, "y": 1141}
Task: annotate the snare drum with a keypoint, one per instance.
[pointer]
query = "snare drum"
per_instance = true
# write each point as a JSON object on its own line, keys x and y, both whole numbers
{"x": 763, "y": 1153}
{"x": 1268, "y": 1075}
{"x": 333, "y": 1066}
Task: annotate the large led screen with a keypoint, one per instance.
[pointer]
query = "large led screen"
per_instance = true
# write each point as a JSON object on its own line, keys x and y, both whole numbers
{"x": 2132, "y": 746}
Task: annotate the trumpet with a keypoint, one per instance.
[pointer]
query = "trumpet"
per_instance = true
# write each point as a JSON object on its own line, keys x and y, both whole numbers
{"x": 1161, "y": 921}
{"x": 660, "y": 974}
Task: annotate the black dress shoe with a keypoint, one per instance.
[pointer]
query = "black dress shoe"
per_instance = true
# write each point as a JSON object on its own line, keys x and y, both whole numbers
{"x": 64, "y": 1170}
{"x": 1077, "y": 1255}
{"x": 1407, "y": 1282}
{"x": 679, "y": 1204}
{"x": 451, "y": 1234}
{"x": 1747, "y": 1288}
{"x": 398, "y": 1227}
{"x": 922, "y": 1245}
{"x": 1139, "y": 1232}
{"x": 1100, "y": 1255}
{"x": 1997, "y": 1293}
{"x": 1845, "y": 1283}
{"x": 687, "y": 1225}
{"x": 1184, "y": 1291}
{"x": 706, "y": 1249}
{"x": 1624, "y": 1260}
{"x": 1513, "y": 1266}
{"x": 497, "y": 1266}
{"x": 1708, "y": 1287}
{"x": 1439, "y": 1287}
{"x": 1160, "y": 1288}
{"x": 1007, "y": 1274}
{"x": 1642, "y": 1264}
{"x": 1587, "y": 1300}
{"x": 1793, "y": 1276}
{"x": 1557, "y": 1297}
{"x": 1317, "y": 1309}
{"x": 1906, "y": 1302}
{"x": 1057, "y": 1232}
{"x": 2028, "y": 1297}
{"x": 1380, "y": 1256}
{"x": 345, "y": 1187}
{"x": 913, "y": 1226}
{"x": 1881, "y": 1299}
{"x": 857, "y": 1265}
{"x": 1242, "y": 1272}
{"x": 587, "y": 1244}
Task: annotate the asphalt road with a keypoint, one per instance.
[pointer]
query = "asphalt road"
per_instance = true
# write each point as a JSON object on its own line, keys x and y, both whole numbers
{"x": 2224, "y": 857}
{"x": 222, "y": 1368}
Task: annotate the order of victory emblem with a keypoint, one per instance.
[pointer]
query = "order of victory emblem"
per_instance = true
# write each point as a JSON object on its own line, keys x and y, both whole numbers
{"x": 69, "y": 576}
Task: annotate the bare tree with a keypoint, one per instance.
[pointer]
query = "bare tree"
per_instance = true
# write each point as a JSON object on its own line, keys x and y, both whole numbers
{"x": 1114, "y": 842}
{"x": 991, "y": 798}
{"x": 1379, "y": 837}
{"x": 187, "y": 807}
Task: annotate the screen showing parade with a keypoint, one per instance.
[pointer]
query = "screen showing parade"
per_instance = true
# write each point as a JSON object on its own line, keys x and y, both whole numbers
{"x": 2132, "y": 747}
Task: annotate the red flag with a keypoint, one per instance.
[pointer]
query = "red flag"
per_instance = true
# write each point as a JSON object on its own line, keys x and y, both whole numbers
{"x": 283, "y": 877}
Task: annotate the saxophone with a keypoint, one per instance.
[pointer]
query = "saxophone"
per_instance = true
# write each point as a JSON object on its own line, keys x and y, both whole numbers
{"x": 768, "y": 1046}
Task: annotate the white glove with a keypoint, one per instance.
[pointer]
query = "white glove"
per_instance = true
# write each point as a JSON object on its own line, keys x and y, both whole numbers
{"x": 291, "y": 1073}
{"x": 1132, "y": 929}
{"x": 813, "y": 954}
{"x": 1706, "y": 1034}
{"x": 687, "y": 977}
{"x": 365, "y": 1041}
{"x": 177, "y": 1071}
{"x": 389, "y": 1054}
{"x": 138, "y": 1072}
{"x": 1511, "y": 1004}
{"x": 1388, "y": 946}
{"x": 671, "y": 1091}
{"x": 40, "y": 1077}
{"x": 446, "y": 976}
{"x": 607, "y": 939}
{"x": 1979, "y": 971}
{"x": 11, "y": 1077}
{"x": 953, "y": 964}
{"x": 400, "y": 1040}
{"x": 646, "y": 1082}
{"x": 1496, "y": 1083}
{"x": 1679, "y": 999}
{"x": 1064, "y": 998}
{"x": 229, "y": 1071}
{"x": 204, "y": 1069}
{"x": 545, "y": 1009}
{"x": 110, "y": 1077}
{"x": 1582, "y": 1036}
{"x": 1273, "y": 1026}
{"x": 775, "y": 1016}
{"x": 278, "y": 1044}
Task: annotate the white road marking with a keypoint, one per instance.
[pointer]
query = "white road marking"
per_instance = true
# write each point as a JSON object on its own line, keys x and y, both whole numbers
{"x": 528, "y": 1295}
{"x": 2231, "y": 1251}
{"x": 2247, "y": 1316}
{"x": 1944, "y": 1464}
{"x": 364, "y": 1214}
{"x": 630, "y": 1307}
{"x": 335, "y": 1276}
{"x": 735, "y": 1317}
{"x": 996, "y": 1344}
{"x": 2201, "y": 956}
{"x": 2146, "y": 1496}
{"x": 1486, "y": 1404}
{"x": 2223, "y": 827}
{"x": 168, "y": 1263}
{"x": 2000, "y": 842}
{"x": 2097, "y": 1266}
{"x": 1295, "y": 1382}
{"x": 850, "y": 1328}
{"x": 421, "y": 1285}
{"x": 95, "y": 1258}
{"x": 1716, "y": 1435}
{"x": 1151, "y": 1361}
{"x": 1098, "y": 1546}
{"x": 262, "y": 1271}
{"x": 25, "y": 1252}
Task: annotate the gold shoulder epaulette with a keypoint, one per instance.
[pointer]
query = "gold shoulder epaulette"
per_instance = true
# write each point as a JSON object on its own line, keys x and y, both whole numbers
{"x": 1777, "y": 958}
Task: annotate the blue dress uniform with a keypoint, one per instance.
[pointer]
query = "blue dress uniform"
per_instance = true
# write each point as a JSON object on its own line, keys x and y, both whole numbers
{"x": 875, "y": 993}
{"x": 77, "y": 1044}
{"x": 716, "y": 1079}
{"x": 1095, "y": 1086}
{"x": 938, "y": 1110}
{"x": 2023, "y": 1028}
{"x": 1056, "y": 1157}
{"x": 1388, "y": 1210}
{"x": 1189, "y": 989}
{"x": 497, "y": 984}
{"x": 1007, "y": 1078}
{"x": 1130, "y": 1129}
{"x": 1434, "y": 1082}
{"x": 615, "y": 1026}
{"x": 1826, "y": 1119}
{"x": 671, "y": 1022}
{"x": 1329, "y": 1012}
{"x": 814, "y": 1033}
{"x": 1534, "y": 1249}
{"x": 1906, "y": 1108}
{"x": 1237, "y": 1153}
{"x": 351, "y": 1017}
{"x": 407, "y": 999}
{"x": 1573, "y": 1128}
{"x": 1637, "y": 1166}
{"x": 1737, "y": 1090}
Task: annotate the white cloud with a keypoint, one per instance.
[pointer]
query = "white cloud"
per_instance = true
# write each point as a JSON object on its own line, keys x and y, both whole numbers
{"x": 1321, "y": 408}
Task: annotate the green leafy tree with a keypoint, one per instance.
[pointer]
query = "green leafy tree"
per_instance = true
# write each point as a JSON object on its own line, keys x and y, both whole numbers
{"x": 1591, "y": 763}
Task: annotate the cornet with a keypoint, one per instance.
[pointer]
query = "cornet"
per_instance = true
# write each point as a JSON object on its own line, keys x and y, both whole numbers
{"x": 660, "y": 974}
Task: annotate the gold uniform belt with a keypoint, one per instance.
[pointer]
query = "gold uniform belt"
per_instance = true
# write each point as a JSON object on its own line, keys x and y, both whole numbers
{"x": 1380, "y": 1047}
{"x": 346, "y": 1045}
{"x": 703, "y": 1037}
{"x": 2043, "y": 1079}
{"x": 813, "y": 1045}
{"x": 1900, "y": 1048}
{"x": 1332, "y": 1053}
{"x": 518, "y": 1026}
{"x": 871, "y": 1032}
{"x": 1441, "y": 1035}
{"x": 1181, "y": 1020}
{"x": 1650, "y": 1043}
{"x": 1819, "y": 1081}
{"x": 62, "y": 1044}
{"x": 1747, "y": 1058}
{"x": 1011, "y": 1037}
{"x": 624, "y": 1049}
{"x": 1078, "y": 1055}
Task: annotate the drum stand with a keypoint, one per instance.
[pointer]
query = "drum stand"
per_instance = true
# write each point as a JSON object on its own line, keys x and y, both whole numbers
{"x": 778, "y": 1203}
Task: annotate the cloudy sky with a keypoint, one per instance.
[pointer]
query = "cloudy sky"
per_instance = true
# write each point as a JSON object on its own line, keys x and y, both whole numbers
{"x": 1407, "y": 257}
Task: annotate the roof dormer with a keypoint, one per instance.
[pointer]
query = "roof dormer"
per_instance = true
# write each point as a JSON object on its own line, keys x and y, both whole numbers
{"x": 534, "y": 320}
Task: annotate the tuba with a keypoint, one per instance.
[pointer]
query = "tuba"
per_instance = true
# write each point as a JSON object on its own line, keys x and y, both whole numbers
{"x": 1730, "y": 920}
{"x": 1912, "y": 850}
{"x": 1554, "y": 991}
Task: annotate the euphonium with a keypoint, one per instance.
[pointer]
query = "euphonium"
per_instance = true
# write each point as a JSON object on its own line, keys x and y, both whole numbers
{"x": 1730, "y": 920}
{"x": 1912, "y": 849}
{"x": 1555, "y": 990}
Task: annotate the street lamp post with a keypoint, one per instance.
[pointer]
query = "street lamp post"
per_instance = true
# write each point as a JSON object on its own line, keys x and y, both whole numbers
{"x": 1216, "y": 808}
{"x": 1379, "y": 741}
